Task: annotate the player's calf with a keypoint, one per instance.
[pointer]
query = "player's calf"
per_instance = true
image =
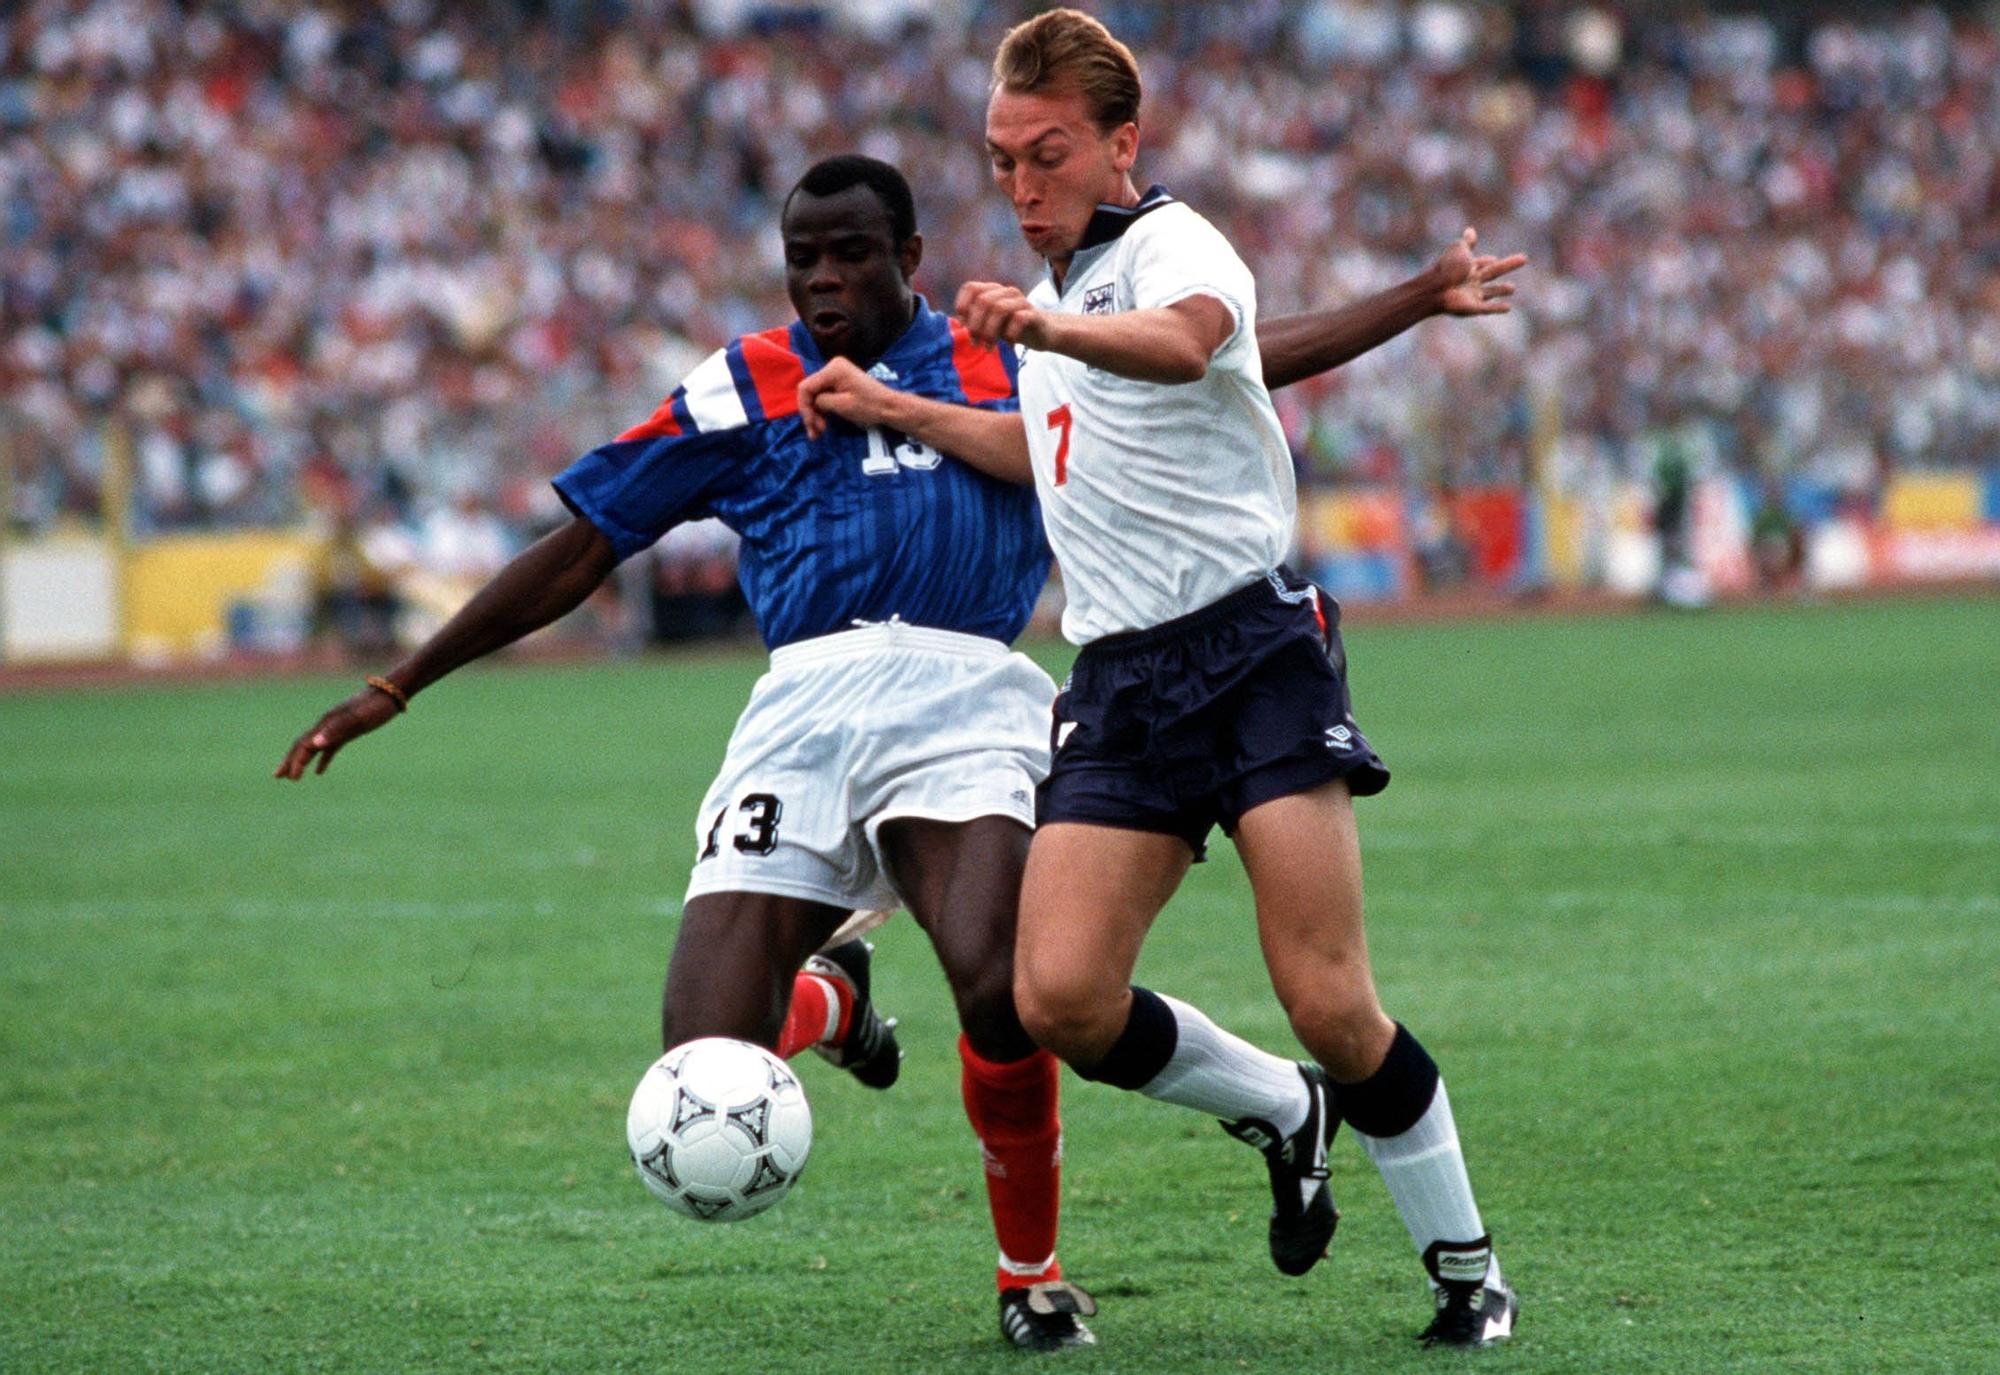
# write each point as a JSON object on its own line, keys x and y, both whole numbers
{"x": 850, "y": 1034}
{"x": 1402, "y": 1116}
{"x": 1079, "y": 1022}
{"x": 1012, "y": 1109}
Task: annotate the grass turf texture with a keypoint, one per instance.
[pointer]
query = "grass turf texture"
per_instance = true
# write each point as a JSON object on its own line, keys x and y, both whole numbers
{"x": 1699, "y": 916}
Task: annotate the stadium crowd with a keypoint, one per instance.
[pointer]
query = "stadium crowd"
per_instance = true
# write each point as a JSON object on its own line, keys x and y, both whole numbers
{"x": 355, "y": 261}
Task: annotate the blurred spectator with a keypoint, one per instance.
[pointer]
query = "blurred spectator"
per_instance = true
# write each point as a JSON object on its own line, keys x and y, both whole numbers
{"x": 413, "y": 248}
{"x": 356, "y": 605}
{"x": 694, "y": 592}
{"x": 1777, "y": 542}
{"x": 1443, "y": 558}
{"x": 1673, "y": 519}
{"x": 454, "y": 550}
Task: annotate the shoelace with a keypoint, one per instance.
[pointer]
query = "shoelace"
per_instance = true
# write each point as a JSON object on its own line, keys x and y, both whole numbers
{"x": 1459, "y": 1314}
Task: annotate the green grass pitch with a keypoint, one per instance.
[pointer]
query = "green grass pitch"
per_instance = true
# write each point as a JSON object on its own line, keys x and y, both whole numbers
{"x": 1700, "y": 915}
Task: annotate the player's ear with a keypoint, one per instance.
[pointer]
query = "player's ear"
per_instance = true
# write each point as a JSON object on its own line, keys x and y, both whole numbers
{"x": 909, "y": 255}
{"x": 1125, "y": 146}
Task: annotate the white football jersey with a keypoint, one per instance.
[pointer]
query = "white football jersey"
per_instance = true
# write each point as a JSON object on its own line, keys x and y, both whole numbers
{"x": 1158, "y": 499}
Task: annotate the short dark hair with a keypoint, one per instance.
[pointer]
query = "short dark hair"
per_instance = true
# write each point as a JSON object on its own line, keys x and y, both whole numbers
{"x": 831, "y": 176}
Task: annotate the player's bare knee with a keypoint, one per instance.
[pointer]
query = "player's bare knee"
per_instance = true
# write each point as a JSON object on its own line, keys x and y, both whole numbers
{"x": 986, "y": 1014}
{"x": 1346, "y": 1033}
{"x": 983, "y": 992}
{"x": 1068, "y": 1021}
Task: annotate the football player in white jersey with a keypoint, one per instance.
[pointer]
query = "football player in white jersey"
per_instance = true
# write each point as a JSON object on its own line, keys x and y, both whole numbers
{"x": 1211, "y": 685}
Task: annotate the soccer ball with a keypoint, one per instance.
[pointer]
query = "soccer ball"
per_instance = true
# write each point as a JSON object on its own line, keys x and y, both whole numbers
{"x": 719, "y": 1129}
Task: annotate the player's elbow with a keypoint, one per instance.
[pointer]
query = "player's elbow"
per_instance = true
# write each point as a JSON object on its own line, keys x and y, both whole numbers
{"x": 1184, "y": 365}
{"x": 1196, "y": 328}
{"x": 590, "y": 555}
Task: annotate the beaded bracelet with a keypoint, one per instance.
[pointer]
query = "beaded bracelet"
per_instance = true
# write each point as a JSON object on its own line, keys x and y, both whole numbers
{"x": 396, "y": 694}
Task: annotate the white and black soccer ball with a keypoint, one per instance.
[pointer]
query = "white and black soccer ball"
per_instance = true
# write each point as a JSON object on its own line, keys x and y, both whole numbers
{"x": 719, "y": 1129}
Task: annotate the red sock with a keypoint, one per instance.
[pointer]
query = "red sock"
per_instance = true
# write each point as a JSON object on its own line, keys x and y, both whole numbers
{"x": 819, "y": 1012}
{"x": 1012, "y": 1109}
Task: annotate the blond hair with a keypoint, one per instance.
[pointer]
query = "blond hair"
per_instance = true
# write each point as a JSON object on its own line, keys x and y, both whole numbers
{"x": 1069, "y": 50}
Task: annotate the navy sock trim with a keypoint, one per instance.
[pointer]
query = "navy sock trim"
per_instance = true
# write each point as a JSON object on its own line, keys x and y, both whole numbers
{"x": 1397, "y": 1095}
{"x": 1143, "y": 1048}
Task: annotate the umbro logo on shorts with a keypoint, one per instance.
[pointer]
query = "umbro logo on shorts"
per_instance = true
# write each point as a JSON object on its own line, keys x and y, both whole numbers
{"x": 1297, "y": 597}
{"x": 1338, "y": 737}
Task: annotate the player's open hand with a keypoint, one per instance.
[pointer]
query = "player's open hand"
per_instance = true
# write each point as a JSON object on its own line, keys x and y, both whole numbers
{"x": 364, "y": 711}
{"x": 997, "y": 314}
{"x": 1468, "y": 282}
{"x": 844, "y": 390}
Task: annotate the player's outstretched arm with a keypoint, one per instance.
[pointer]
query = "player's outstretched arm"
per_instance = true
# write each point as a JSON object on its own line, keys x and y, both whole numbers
{"x": 1460, "y": 282}
{"x": 1167, "y": 344}
{"x": 546, "y": 581}
{"x": 991, "y": 441}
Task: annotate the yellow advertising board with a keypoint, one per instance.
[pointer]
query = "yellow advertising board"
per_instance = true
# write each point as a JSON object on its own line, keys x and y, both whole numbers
{"x": 1932, "y": 501}
{"x": 179, "y": 589}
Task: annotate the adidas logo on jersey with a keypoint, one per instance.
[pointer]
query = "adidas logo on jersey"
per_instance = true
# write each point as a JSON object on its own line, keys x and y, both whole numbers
{"x": 882, "y": 372}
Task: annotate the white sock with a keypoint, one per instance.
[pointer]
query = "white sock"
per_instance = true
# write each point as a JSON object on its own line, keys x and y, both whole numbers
{"x": 1425, "y": 1172}
{"x": 1225, "y": 1076}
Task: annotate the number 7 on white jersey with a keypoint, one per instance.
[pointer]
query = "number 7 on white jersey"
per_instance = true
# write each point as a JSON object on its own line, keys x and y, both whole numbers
{"x": 1059, "y": 419}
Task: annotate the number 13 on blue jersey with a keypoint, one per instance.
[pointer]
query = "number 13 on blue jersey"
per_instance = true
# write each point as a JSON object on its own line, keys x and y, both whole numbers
{"x": 885, "y": 457}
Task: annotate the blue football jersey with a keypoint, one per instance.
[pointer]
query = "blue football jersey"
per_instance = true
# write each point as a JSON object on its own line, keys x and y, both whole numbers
{"x": 857, "y": 525}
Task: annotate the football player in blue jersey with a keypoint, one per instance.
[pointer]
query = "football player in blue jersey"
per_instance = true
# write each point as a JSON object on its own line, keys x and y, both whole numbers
{"x": 891, "y": 755}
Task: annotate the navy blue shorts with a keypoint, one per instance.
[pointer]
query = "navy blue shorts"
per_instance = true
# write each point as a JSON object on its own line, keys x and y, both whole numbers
{"x": 1192, "y": 723}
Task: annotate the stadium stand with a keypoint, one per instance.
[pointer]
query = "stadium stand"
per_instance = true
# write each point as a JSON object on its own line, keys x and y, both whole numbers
{"x": 352, "y": 263}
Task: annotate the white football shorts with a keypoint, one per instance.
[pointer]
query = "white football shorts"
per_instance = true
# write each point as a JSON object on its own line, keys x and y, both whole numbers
{"x": 853, "y": 729}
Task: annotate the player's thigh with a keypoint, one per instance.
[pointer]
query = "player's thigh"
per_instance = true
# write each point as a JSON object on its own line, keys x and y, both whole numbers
{"x": 733, "y": 962}
{"x": 1088, "y": 898}
{"x": 1303, "y": 858}
{"x": 962, "y": 882}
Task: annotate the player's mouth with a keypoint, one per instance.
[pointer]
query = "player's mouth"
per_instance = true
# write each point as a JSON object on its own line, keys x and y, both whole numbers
{"x": 830, "y": 323}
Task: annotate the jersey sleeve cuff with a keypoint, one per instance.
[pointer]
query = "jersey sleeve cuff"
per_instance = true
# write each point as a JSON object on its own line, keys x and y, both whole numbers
{"x": 624, "y": 543}
{"x": 1229, "y": 303}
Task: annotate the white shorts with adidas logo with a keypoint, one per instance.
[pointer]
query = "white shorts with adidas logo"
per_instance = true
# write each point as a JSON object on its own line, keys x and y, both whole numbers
{"x": 850, "y": 730}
